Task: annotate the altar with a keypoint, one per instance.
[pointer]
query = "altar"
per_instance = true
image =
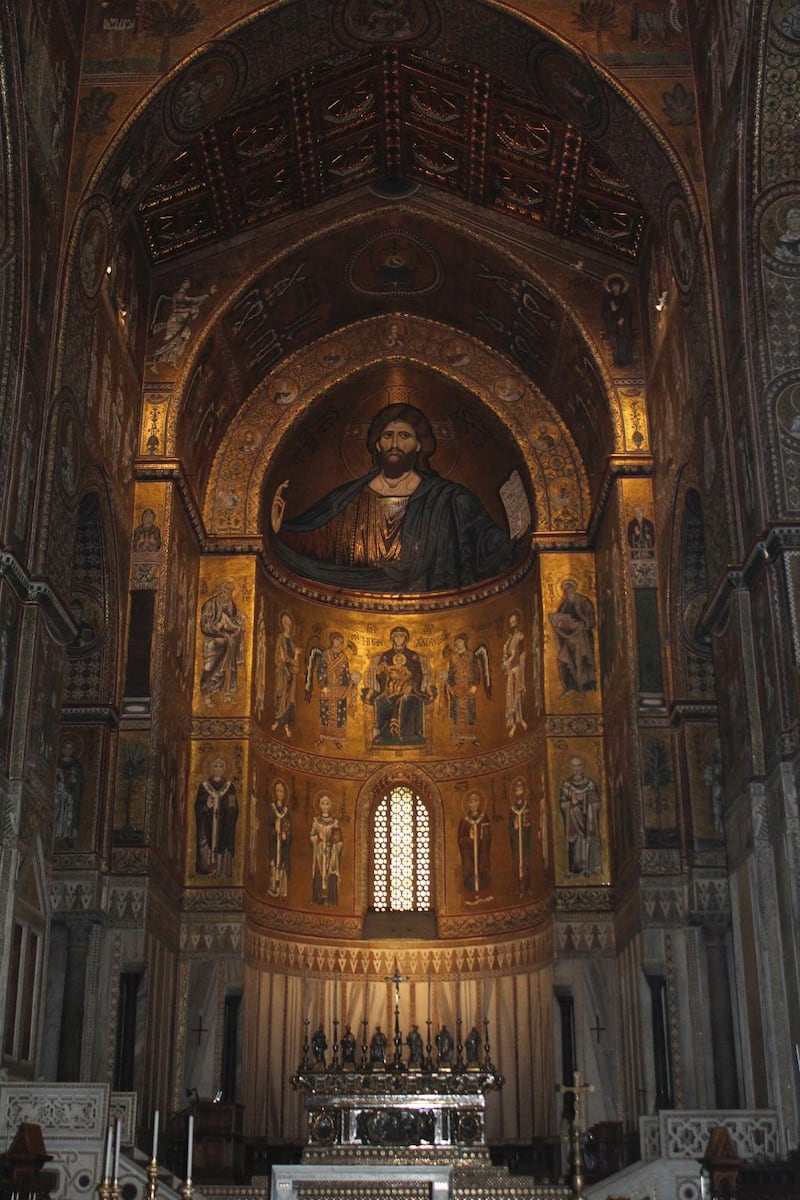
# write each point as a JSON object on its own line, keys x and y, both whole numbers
{"x": 401, "y": 1118}
{"x": 417, "y": 1103}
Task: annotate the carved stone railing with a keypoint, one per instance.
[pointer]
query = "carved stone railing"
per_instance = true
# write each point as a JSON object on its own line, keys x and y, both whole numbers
{"x": 74, "y": 1118}
{"x": 756, "y": 1133}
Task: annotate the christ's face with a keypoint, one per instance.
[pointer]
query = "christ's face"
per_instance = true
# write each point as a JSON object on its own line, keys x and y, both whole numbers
{"x": 397, "y": 449}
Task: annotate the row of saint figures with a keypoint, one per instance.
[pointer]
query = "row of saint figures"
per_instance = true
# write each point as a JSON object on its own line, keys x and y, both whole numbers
{"x": 444, "y": 1052}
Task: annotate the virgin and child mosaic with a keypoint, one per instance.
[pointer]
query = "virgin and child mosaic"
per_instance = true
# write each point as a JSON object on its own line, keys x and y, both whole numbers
{"x": 391, "y": 686}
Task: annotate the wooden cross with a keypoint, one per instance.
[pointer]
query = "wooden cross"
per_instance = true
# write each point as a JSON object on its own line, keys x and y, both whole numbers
{"x": 597, "y": 1028}
{"x": 396, "y": 979}
{"x": 199, "y": 1030}
{"x": 576, "y": 1087}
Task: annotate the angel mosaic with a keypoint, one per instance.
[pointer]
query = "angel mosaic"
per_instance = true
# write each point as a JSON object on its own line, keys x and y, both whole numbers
{"x": 468, "y": 672}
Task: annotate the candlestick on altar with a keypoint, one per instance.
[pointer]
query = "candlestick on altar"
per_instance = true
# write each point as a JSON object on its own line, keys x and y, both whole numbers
{"x": 109, "y": 1144}
{"x": 364, "y": 1046}
{"x": 104, "y": 1186}
{"x": 117, "y": 1138}
{"x": 488, "y": 1062}
{"x": 429, "y": 1048}
{"x": 397, "y": 1062}
{"x": 152, "y": 1166}
{"x": 152, "y": 1179}
{"x": 335, "y": 992}
{"x": 115, "y": 1191}
{"x": 190, "y": 1149}
{"x": 335, "y": 1065}
{"x": 305, "y": 1063}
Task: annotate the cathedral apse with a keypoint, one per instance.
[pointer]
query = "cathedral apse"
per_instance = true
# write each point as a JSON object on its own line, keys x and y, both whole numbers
{"x": 402, "y": 450}
{"x": 357, "y": 664}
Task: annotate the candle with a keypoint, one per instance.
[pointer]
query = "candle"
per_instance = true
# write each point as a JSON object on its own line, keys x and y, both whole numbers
{"x": 190, "y": 1147}
{"x": 366, "y": 995}
{"x": 107, "y": 1168}
{"x": 797, "y": 1054}
{"x": 429, "y": 994}
{"x": 118, "y": 1135}
{"x": 155, "y": 1136}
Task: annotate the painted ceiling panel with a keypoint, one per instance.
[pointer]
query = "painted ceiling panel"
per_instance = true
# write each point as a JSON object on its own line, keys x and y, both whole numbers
{"x": 389, "y": 114}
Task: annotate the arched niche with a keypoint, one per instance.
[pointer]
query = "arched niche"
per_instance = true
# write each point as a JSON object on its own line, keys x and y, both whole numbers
{"x": 234, "y": 502}
{"x": 370, "y": 794}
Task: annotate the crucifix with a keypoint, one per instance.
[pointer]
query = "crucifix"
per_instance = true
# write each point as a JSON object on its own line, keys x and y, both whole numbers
{"x": 396, "y": 979}
{"x": 597, "y": 1028}
{"x": 199, "y": 1030}
{"x": 575, "y": 1089}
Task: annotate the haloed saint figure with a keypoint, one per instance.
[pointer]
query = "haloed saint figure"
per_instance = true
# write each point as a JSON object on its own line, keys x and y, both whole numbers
{"x": 399, "y": 528}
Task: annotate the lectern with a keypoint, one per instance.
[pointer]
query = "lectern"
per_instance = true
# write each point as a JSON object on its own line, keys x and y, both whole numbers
{"x": 218, "y": 1145}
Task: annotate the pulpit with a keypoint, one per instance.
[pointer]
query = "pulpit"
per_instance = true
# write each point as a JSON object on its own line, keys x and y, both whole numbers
{"x": 218, "y": 1144}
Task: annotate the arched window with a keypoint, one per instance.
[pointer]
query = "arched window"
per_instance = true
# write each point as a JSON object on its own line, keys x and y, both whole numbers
{"x": 401, "y": 839}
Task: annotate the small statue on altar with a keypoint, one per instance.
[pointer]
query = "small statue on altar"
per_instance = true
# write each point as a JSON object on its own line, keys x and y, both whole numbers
{"x": 319, "y": 1044}
{"x": 348, "y": 1049}
{"x": 377, "y": 1048}
{"x": 444, "y": 1046}
{"x": 472, "y": 1047}
{"x": 414, "y": 1043}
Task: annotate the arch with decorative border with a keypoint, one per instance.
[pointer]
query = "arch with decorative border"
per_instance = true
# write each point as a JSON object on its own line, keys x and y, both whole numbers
{"x": 519, "y": 406}
{"x": 373, "y": 790}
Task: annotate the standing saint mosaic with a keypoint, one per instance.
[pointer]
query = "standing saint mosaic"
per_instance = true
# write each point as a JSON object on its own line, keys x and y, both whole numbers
{"x": 216, "y": 809}
{"x": 329, "y": 671}
{"x": 326, "y": 853}
{"x": 287, "y": 667}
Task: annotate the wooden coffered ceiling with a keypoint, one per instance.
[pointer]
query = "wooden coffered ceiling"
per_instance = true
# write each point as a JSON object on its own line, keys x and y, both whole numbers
{"x": 390, "y": 118}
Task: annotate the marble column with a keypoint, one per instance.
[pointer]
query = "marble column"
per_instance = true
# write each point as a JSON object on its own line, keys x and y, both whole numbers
{"x": 73, "y": 1007}
{"x": 723, "y": 1041}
